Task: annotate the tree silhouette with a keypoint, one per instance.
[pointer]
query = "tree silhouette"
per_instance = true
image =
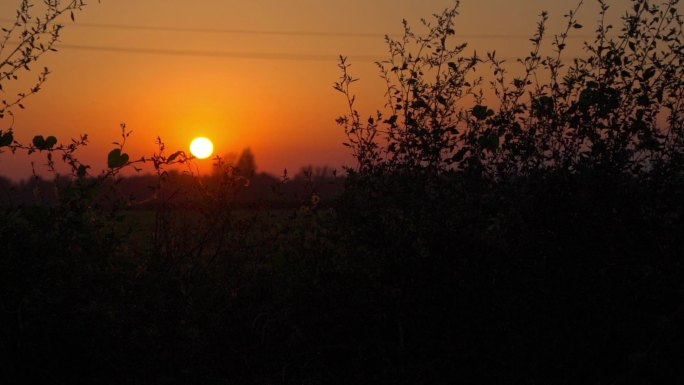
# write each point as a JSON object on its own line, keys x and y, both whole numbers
{"x": 34, "y": 32}
{"x": 246, "y": 164}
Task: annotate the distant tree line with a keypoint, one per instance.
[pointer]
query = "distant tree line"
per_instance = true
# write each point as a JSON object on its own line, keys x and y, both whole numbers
{"x": 257, "y": 189}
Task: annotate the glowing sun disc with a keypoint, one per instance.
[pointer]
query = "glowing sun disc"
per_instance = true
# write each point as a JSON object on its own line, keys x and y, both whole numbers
{"x": 201, "y": 148}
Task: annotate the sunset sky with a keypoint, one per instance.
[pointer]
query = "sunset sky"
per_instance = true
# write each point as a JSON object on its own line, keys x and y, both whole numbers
{"x": 253, "y": 73}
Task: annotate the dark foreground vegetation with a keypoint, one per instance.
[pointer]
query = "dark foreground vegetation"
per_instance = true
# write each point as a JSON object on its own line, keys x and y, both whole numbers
{"x": 535, "y": 240}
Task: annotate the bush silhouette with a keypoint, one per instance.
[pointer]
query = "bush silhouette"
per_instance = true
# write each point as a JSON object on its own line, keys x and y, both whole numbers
{"x": 530, "y": 237}
{"x": 617, "y": 108}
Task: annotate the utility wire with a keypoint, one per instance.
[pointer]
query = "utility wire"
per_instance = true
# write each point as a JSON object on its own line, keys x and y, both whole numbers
{"x": 219, "y": 54}
{"x": 241, "y": 55}
{"x": 233, "y": 31}
{"x": 281, "y": 32}
{"x": 246, "y": 55}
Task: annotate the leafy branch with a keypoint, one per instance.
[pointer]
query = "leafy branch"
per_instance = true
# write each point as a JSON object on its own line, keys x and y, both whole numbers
{"x": 618, "y": 108}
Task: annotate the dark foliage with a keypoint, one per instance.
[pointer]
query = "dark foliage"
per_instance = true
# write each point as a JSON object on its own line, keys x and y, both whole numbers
{"x": 531, "y": 238}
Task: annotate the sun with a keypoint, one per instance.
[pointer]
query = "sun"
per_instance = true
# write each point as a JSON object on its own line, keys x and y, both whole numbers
{"x": 201, "y": 147}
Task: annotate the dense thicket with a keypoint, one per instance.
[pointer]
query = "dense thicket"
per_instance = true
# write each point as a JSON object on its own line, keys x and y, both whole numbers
{"x": 526, "y": 230}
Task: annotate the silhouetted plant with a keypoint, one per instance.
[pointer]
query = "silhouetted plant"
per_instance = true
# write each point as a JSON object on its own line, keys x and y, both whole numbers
{"x": 502, "y": 223}
{"x": 33, "y": 33}
{"x": 619, "y": 107}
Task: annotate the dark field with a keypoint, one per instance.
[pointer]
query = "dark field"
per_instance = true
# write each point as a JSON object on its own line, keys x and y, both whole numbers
{"x": 560, "y": 280}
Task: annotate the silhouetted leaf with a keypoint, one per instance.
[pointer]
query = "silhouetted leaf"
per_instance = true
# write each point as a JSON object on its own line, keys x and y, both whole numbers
{"x": 50, "y": 141}
{"x": 493, "y": 142}
{"x": 648, "y": 142}
{"x": 543, "y": 106}
{"x": 649, "y": 73}
{"x": 586, "y": 99}
{"x": 490, "y": 141}
{"x": 458, "y": 157}
{"x": 392, "y": 120}
{"x": 481, "y": 112}
{"x": 174, "y": 156}
{"x": 643, "y": 100}
{"x": 82, "y": 171}
{"x": 116, "y": 159}
{"x": 6, "y": 139}
{"x": 39, "y": 141}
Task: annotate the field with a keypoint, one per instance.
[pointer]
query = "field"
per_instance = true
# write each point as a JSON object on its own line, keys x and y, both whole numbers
{"x": 500, "y": 285}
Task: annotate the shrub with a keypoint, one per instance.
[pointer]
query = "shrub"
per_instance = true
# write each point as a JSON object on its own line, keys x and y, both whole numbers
{"x": 528, "y": 237}
{"x": 618, "y": 108}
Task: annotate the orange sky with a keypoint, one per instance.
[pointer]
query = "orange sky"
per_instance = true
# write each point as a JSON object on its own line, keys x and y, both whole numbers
{"x": 239, "y": 72}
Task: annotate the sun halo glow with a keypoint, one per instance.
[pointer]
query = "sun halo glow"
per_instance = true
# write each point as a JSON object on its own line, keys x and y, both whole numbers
{"x": 201, "y": 148}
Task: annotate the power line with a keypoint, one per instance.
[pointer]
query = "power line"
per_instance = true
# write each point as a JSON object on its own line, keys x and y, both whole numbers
{"x": 247, "y": 55}
{"x": 219, "y": 54}
{"x": 282, "y": 32}
{"x": 241, "y": 55}
{"x": 221, "y": 30}
{"x": 231, "y": 31}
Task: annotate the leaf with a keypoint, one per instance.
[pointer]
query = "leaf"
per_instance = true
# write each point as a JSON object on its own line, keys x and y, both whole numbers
{"x": 493, "y": 142}
{"x": 643, "y": 100}
{"x": 392, "y": 120}
{"x": 174, "y": 156}
{"x": 577, "y": 26}
{"x": 50, "y": 141}
{"x": 458, "y": 157}
{"x": 116, "y": 159}
{"x": 482, "y": 112}
{"x": 39, "y": 141}
{"x": 489, "y": 141}
{"x": 6, "y": 139}
{"x": 82, "y": 171}
{"x": 649, "y": 73}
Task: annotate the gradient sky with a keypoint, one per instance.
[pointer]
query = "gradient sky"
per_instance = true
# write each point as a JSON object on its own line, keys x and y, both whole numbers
{"x": 241, "y": 72}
